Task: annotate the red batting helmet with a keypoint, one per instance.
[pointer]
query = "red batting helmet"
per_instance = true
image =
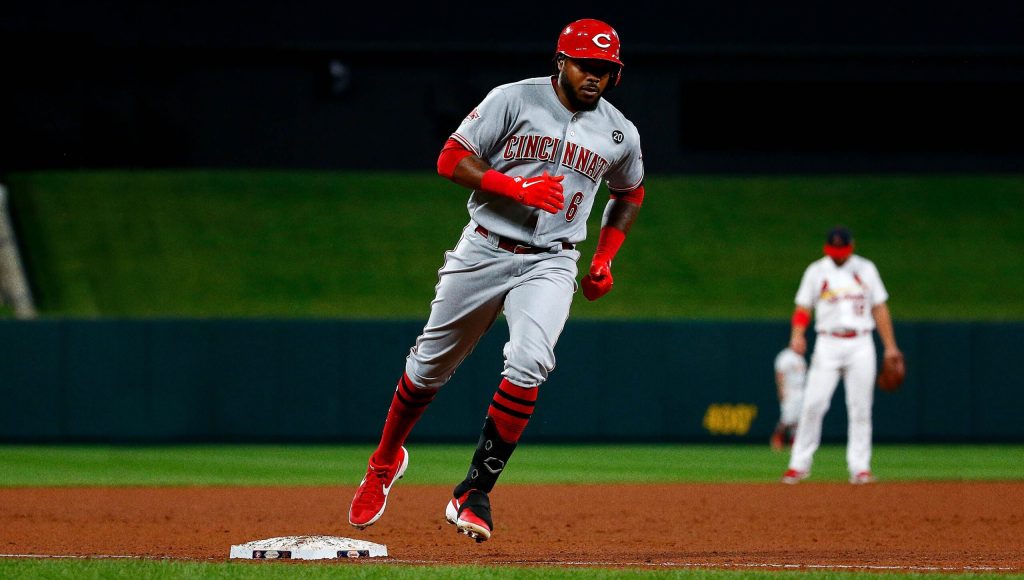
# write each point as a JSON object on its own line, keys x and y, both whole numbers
{"x": 589, "y": 38}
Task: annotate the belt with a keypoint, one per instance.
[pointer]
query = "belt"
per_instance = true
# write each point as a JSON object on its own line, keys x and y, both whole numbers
{"x": 517, "y": 248}
{"x": 844, "y": 333}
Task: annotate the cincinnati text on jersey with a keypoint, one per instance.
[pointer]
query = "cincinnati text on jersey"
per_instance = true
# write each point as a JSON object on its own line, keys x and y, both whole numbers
{"x": 544, "y": 148}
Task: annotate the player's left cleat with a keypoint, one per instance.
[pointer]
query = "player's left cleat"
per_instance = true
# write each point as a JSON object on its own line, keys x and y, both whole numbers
{"x": 862, "y": 477}
{"x": 471, "y": 515}
{"x": 372, "y": 496}
{"x": 778, "y": 441}
{"x": 793, "y": 476}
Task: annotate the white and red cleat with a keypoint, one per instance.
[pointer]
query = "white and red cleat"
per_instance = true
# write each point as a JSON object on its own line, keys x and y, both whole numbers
{"x": 793, "y": 476}
{"x": 862, "y": 477}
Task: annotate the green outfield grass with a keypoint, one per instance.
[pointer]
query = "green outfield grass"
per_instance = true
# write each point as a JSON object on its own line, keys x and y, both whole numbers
{"x": 445, "y": 464}
{"x": 47, "y": 465}
{"x": 368, "y": 245}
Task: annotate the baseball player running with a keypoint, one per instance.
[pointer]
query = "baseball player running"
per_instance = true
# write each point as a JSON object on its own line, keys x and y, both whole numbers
{"x": 849, "y": 301}
{"x": 534, "y": 152}
{"x": 790, "y": 372}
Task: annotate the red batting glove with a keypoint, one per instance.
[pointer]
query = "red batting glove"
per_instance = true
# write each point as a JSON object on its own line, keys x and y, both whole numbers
{"x": 544, "y": 192}
{"x": 599, "y": 281}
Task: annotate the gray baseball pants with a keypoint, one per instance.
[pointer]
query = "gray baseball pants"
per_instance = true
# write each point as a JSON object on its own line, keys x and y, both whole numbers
{"x": 478, "y": 282}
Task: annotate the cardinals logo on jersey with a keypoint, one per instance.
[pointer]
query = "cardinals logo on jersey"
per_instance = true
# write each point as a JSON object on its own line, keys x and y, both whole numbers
{"x": 472, "y": 116}
{"x": 828, "y": 294}
{"x": 825, "y": 293}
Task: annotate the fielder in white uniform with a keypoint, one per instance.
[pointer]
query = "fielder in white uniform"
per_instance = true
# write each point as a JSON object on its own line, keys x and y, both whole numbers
{"x": 848, "y": 299}
{"x": 535, "y": 153}
{"x": 790, "y": 373}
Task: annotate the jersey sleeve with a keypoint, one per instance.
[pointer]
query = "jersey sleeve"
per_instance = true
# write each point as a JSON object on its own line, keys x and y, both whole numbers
{"x": 805, "y": 293}
{"x": 628, "y": 173}
{"x": 780, "y": 362}
{"x": 879, "y": 295}
{"x": 800, "y": 363}
{"x": 486, "y": 125}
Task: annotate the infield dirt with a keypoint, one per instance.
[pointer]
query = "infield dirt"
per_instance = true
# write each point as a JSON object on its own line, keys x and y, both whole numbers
{"x": 954, "y": 525}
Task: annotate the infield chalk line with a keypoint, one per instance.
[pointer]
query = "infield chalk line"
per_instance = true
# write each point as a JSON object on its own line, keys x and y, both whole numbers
{"x": 709, "y": 565}
{"x": 728, "y": 565}
{"x": 71, "y": 557}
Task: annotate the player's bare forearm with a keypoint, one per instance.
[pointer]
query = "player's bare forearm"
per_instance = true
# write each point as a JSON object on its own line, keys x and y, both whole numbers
{"x": 620, "y": 214}
{"x": 801, "y": 319}
{"x": 470, "y": 171}
{"x": 883, "y": 323}
{"x": 618, "y": 218}
{"x": 779, "y": 382}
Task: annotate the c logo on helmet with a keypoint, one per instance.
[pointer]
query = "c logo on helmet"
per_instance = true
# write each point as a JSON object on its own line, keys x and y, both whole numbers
{"x": 603, "y": 40}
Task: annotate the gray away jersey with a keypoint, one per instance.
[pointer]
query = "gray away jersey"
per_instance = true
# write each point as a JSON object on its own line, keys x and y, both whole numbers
{"x": 522, "y": 129}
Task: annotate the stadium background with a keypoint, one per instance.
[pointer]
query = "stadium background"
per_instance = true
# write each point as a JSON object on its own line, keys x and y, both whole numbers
{"x": 882, "y": 107}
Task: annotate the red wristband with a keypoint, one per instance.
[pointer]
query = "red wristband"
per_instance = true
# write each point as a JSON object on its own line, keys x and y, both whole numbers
{"x": 801, "y": 318}
{"x": 608, "y": 243}
{"x": 497, "y": 182}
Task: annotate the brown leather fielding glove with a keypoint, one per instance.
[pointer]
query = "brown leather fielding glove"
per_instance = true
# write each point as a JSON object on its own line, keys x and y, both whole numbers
{"x": 892, "y": 373}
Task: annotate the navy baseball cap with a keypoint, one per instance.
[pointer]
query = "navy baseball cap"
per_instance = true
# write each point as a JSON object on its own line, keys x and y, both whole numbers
{"x": 839, "y": 237}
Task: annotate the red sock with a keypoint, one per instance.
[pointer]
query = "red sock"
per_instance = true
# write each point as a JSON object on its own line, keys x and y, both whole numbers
{"x": 511, "y": 409}
{"x": 407, "y": 406}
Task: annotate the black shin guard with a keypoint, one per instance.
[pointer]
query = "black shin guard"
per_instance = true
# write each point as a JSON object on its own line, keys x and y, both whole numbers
{"x": 489, "y": 460}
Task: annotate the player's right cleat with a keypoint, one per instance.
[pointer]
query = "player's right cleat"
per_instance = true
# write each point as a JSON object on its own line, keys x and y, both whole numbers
{"x": 793, "y": 476}
{"x": 778, "y": 441}
{"x": 862, "y": 477}
{"x": 471, "y": 515}
{"x": 372, "y": 496}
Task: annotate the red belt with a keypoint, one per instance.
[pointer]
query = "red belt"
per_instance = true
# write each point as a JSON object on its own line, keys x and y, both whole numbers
{"x": 844, "y": 333}
{"x": 517, "y": 248}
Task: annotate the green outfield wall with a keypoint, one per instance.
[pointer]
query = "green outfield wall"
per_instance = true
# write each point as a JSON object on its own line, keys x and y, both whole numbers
{"x": 128, "y": 381}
